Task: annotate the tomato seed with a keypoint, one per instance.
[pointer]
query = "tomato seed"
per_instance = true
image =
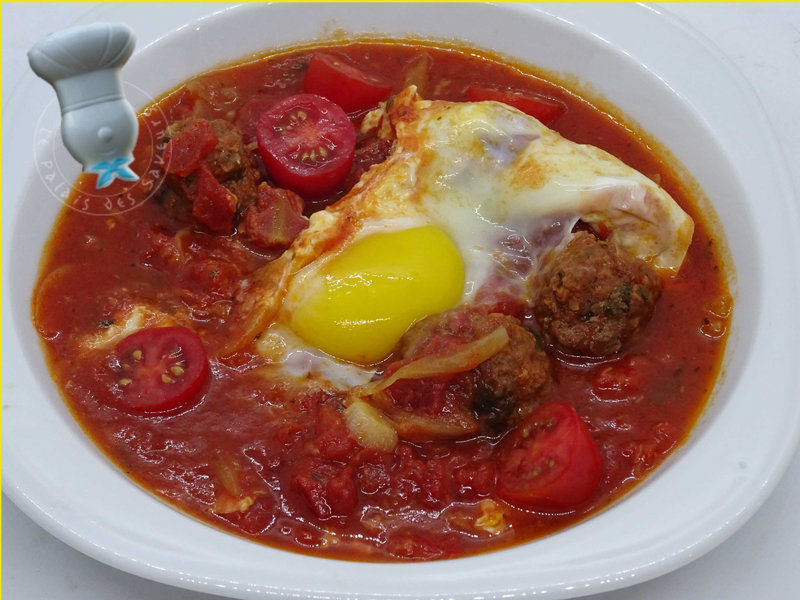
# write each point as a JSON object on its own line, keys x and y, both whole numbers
{"x": 177, "y": 370}
{"x": 167, "y": 379}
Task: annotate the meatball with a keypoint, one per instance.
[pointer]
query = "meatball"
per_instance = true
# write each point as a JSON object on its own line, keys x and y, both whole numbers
{"x": 211, "y": 151}
{"x": 233, "y": 164}
{"x": 593, "y": 296}
{"x": 510, "y": 384}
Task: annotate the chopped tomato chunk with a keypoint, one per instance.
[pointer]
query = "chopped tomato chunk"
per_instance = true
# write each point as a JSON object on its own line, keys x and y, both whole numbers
{"x": 328, "y": 489}
{"x": 622, "y": 379}
{"x": 275, "y": 220}
{"x": 187, "y": 148}
{"x": 550, "y": 461}
{"x": 213, "y": 205}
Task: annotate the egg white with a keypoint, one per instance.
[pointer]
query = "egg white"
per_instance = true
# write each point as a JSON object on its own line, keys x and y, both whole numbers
{"x": 507, "y": 191}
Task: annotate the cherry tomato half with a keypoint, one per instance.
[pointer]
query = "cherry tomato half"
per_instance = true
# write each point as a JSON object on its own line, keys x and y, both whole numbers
{"x": 550, "y": 461}
{"x": 539, "y": 107}
{"x": 337, "y": 79}
{"x": 161, "y": 368}
{"x": 307, "y": 144}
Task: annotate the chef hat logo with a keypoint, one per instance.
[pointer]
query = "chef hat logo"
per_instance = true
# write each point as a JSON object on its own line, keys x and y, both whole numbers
{"x": 102, "y": 46}
{"x": 98, "y": 125}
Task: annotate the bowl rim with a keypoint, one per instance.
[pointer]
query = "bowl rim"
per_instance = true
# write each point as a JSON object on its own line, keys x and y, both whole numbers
{"x": 22, "y": 491}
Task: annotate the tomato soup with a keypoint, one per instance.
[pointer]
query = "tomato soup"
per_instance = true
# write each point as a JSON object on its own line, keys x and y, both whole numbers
{"x": 506, "y": 420}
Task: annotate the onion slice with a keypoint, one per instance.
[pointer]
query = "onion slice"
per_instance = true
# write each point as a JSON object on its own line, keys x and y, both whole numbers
{"x": 369, "y": 427}
{"x": 467, "y": 357}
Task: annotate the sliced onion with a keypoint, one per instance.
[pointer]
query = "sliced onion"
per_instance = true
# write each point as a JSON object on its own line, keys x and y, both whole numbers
{"x": 419, "y": 428}
{"x": 467, "y": 357}
{"x": 229, "y": 498}
{"x": 227, "y": 473}
{"x": 369, "y": 427}
{"x": 226, "y": 504}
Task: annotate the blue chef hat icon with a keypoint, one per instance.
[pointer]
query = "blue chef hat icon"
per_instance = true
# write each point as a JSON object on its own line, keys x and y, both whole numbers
{"x": 98, "y": 125}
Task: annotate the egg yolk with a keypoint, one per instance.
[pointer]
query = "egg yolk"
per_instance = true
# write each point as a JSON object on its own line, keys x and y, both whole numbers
{"x": 358, "y": 304}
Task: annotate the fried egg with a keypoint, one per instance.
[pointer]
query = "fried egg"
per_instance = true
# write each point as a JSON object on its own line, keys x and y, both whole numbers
{"x": 473, "y": 196}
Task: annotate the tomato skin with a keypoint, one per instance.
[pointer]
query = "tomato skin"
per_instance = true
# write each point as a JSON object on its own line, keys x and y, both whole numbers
{"x": 539, "y": 107}
{"x": 160, "y": 369}
{"x": 335, "y": 78}
{"x": 327, "y": 488}
{"x": 307, "y": 144}
{"x": 250, "y": 112}
{"x": 550, "y": 461}
{"x": 622, "y": 379}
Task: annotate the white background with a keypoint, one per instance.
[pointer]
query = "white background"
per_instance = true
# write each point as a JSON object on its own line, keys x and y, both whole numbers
{"x": 759, "y": 561}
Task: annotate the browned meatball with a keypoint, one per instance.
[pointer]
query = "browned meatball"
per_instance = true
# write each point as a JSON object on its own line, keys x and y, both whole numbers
{"x": 510, "y": 384}
{"x": 593, "y": 296}
{"x": 233, "y": 164}
{"x": 229, "y": 161}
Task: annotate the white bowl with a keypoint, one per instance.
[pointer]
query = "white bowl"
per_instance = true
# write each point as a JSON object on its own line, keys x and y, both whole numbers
{"x": 682, "y": 92}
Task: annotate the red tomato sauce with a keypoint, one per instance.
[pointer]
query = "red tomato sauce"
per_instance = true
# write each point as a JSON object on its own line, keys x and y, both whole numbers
{"x": 275, "y": 462}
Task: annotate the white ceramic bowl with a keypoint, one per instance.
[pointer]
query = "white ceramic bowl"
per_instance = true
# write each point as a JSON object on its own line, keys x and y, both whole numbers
{"x": 680, "y": 90}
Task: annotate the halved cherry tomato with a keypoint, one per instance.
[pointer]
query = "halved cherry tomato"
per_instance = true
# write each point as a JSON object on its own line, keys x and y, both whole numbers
{"x": 307, "y": 144}
{"x": 540, "y": 107}
{"x": 160, "y": 368}
{"x": 337, "y": 79}
{"x": 550, "y": 461}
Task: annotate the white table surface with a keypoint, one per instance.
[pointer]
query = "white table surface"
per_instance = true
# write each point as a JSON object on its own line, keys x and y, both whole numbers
{"x": 759, "y": 561}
